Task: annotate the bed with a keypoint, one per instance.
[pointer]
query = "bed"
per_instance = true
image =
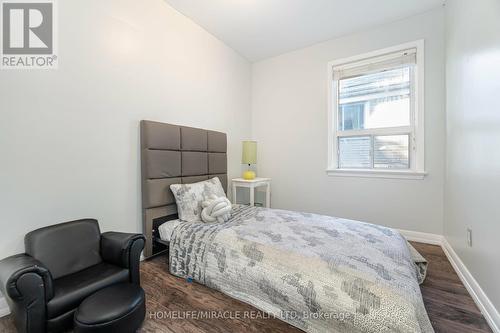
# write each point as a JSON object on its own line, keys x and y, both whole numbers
{"x": 315, "y": 272}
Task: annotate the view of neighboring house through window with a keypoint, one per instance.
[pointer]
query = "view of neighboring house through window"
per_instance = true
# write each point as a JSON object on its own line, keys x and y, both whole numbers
{"x": 374, "y": 113}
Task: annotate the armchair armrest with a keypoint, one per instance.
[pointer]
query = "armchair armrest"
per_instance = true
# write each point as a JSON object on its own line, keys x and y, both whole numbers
{"x": 27, "y": 286}
{"x": 14, "y": 267}
{"x": 124, "y": 250}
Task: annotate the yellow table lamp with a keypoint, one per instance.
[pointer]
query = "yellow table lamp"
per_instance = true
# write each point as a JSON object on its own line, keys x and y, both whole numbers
{"x": 249, "y": 157}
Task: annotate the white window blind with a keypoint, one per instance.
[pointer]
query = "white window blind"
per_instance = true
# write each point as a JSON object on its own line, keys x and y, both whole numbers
{"x": 375, "y": 64}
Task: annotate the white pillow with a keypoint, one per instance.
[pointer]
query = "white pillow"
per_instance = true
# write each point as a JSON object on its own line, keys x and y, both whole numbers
{"x": 189, "y": 197}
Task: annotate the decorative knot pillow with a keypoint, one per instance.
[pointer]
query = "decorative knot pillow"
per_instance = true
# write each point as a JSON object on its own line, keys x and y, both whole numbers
{"x": 216, "y": 209}
{"x": 189, "y": 197}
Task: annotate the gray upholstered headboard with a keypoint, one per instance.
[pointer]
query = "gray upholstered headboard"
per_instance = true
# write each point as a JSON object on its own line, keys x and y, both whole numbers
{"x": 172, "y": 154}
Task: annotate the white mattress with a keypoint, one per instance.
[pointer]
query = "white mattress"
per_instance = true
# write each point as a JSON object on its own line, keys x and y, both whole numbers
{"x": 166, "y": 229}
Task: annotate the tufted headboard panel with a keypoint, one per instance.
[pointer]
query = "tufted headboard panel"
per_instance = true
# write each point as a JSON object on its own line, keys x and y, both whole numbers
{"x": 172, "y": 154}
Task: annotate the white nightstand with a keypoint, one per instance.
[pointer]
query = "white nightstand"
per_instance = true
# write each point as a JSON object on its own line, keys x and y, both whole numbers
{"x": 252, "y": 184}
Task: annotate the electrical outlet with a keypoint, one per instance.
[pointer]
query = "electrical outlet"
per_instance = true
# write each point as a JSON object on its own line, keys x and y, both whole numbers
{"x": 469, "y": 237}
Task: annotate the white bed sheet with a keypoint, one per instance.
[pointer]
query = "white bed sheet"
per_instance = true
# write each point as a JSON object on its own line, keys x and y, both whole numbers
{"x": 166, "y": 229}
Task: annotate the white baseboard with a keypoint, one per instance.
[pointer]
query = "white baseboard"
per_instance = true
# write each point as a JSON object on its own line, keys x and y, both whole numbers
{"x": 422, "y": 237}
{"x": 4, "y": 308}
{"x": 484, "y": 304}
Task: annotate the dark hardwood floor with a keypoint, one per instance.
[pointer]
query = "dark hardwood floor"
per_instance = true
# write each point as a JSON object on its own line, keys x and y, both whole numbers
{"x": 450, "y": 307}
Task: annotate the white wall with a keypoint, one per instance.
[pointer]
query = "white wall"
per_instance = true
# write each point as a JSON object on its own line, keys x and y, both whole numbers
{"x": 472, "y": 188}
{"x": 289, "y": 120}
{"x": 69, "y": 138}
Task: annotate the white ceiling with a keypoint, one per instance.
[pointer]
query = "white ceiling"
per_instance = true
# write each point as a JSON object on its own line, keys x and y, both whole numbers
{"x": 259, "y": 29}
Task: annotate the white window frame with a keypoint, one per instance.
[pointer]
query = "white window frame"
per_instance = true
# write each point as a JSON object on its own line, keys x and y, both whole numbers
{"x": 417, "y": 136}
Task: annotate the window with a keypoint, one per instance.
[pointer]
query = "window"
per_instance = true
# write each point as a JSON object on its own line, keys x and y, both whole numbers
{"x": 376, "y": 114}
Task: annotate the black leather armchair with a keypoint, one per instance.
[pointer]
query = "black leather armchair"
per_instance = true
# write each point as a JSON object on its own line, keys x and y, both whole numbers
{"x": 64, "y": 264}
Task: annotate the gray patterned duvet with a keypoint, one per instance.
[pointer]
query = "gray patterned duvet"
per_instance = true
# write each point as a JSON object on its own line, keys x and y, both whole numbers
{"x": 318, "y": 273}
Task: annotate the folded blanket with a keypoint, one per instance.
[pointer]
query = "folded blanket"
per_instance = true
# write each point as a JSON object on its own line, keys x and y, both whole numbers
{"x": 420, "y": 263}
{"x": 216, "y": 209}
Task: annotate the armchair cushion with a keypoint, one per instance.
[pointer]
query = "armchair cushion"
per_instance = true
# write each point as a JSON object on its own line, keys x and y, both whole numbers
{"x": 70, "y": 290}
{"x": 66, "y": 248}
{"x": 117, "y": 247}
{"x": 12, "y": 268}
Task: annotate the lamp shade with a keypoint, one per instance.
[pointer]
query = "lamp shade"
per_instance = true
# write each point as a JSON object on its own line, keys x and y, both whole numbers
{"x": 249, "y": 155}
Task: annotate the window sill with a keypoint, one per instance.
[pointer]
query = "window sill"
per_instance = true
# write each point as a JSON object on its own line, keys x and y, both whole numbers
{"x": 390, "y": 174}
